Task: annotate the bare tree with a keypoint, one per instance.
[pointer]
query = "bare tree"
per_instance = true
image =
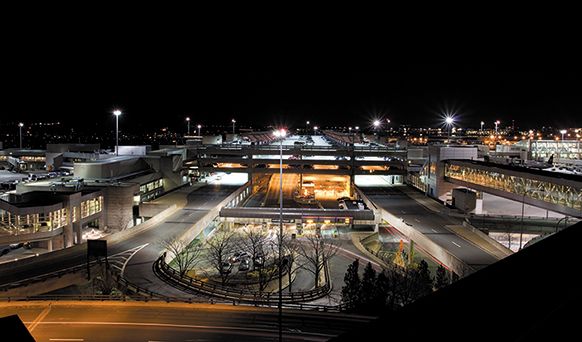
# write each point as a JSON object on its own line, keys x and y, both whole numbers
{"x": 185, "y": 255}
{"x": 269, "y": 270}
{"x": 219, "y": 247}
{"x": 317, "y": 251}
{"x": 254, "y": 242}
{"x": 290, "y": 247}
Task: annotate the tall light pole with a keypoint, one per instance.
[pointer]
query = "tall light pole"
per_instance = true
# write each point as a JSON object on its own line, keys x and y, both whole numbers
{"x": 199, "y": 126}
{"x": 449, "y": 122}
{"x": 482, "y": 123}
{"x": 563, "y": 132}
{"x": 233, "y": 122}
{"x": 188, "y": 121}
{"x": 117, "y": 113}
{"x": 280, "y": 133}
{"x": 307, "y": 126}
{"x": 496, "y": 124}
{"x": 315, "y": 130}
{"x": 20, "y": 125}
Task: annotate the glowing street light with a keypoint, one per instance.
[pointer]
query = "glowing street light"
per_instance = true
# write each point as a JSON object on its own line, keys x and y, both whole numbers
{"x": 496, "y": 124}
{"x": 117, "y": 113}
{"x": 563, "y": 132}
{"x": 482, "y": 123}
{"x": 281, "y": 133}
{"x": 188, "y": 121}
{"x": 315, "y": 130}
{"x": 199, "y": 126}
{"x": 376, "y": 124}
{"x": 233, "y": 122}
{"x": 20, "y": 125}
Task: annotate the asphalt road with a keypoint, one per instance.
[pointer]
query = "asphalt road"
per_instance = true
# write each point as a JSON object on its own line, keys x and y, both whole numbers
{"x": 139, "y": 268}
{"x": 429, "y": 223}
{"x": 200, "y": 200}
{"x": 113, "y": 321}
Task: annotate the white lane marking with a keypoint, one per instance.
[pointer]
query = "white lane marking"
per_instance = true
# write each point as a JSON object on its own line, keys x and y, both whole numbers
{"x": 131, "y": 256}
{"x": 433, "y": 230}
{"x": 456, "y": 244}
{"x": 186, "y": 326}
{"x": 39, "y": 318}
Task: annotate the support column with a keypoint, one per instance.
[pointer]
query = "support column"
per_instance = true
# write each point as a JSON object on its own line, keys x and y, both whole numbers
{"x": 68, "y": 235}
{"x": 78, "y": 232}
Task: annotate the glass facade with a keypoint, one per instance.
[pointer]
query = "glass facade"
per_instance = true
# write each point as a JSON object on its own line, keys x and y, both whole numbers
{"x": 151, "y": 190}
{"x": 31, "y": 223}
{"x": 545, "y": 191}
{"x": 91, "y": 207}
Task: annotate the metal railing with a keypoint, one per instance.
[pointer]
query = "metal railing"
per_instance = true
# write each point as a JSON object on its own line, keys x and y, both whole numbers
{"x": 192, "y": 285}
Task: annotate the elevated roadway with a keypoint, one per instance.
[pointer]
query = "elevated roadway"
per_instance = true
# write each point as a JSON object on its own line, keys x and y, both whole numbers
{"x": 429, "y": 223}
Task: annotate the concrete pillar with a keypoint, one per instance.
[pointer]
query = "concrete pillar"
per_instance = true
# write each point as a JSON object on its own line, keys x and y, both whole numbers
{"x": 68, "y": 235}
{"x": 78, "y": 232}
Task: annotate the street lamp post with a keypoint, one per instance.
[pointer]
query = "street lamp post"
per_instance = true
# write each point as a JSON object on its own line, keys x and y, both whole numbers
{"x": 482, "y": 123}
{"x": 449, "y": 122}
{"x": 281, "y": 133}
{"x": 563, "y": 132}
{"x": 233, "y": 122}
{"x": 199, "y": 126}
{"x": 188, "y": 121}
{"x": 315, "y": 130}
{"x": 20, "y": 125}
{"x": 497, "y": 122}
{"x": 117, "y": 113}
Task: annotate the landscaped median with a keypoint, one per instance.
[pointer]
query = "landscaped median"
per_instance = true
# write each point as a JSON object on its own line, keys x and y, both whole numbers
{"x": 192, "y": 285}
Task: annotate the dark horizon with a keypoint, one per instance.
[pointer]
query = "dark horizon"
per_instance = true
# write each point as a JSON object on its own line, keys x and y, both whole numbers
{"x": 84, "y": 95}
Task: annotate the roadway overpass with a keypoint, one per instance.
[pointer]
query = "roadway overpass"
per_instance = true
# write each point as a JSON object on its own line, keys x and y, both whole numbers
{"x": 554, "y": 191}
{"x": 264, "y": 159}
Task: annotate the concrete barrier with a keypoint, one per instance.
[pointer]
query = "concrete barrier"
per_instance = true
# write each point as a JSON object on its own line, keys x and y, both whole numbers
{"x": 431, "y": 247}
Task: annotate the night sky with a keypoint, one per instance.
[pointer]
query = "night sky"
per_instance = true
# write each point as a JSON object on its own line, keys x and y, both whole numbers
{"x": 160, "y": 90}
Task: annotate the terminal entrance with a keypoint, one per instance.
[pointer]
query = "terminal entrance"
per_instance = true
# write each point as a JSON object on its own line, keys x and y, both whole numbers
{"x": 299, "y": 191}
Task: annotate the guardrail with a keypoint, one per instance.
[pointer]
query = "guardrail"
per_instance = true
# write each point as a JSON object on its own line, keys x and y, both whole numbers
{"x": 189, "y": 284}
{"x": 302, "y": 148}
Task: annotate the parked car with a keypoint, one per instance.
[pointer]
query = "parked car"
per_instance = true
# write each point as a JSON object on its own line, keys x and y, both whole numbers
{"x": 244, "y": 265}
{"x": 259, "y": 261}
{"x": 236, "y": 257}
{"x": 226, "y": 267}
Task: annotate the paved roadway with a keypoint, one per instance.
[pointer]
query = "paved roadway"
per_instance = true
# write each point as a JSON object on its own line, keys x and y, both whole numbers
{"x": 429, "y": 223}
{"x": 132, "y": 321}
{"x": 199, "y": 201}
{"x": 139, "y": 268}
